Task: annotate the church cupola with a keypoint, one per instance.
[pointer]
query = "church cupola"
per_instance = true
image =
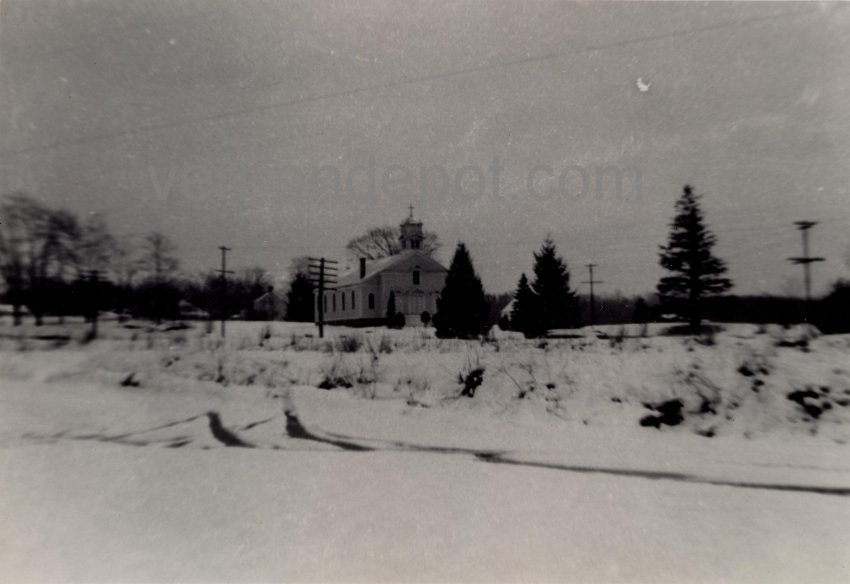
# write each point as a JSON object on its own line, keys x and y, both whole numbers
{"x": 411, "y": 232}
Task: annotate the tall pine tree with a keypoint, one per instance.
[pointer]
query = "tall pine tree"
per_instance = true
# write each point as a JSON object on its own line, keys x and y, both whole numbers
{"x": 552, "y": 286}
{"x": 525, "y": 314}
{"x": 300, "y": 299}
{"x": 695, "y": 271}
{"x": 462, "y": 310}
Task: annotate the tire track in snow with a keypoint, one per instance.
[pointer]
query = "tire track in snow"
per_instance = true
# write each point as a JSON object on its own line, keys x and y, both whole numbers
{"x": 667, "y": 476}
{"x": 501, "y": 457}
{"x": 295, "y": 429}
{"x": 225, "y": 435}
{"x": 219, "y": 431}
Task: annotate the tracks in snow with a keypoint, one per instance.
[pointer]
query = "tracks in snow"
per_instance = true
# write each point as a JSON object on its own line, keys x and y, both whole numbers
{"x": 295, "y": 430}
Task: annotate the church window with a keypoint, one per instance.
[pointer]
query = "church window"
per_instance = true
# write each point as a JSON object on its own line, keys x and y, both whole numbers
{"x": 333, "y": 302}
{"x": 343, "y": 300}
{"x": 416, "y": 276}
{"x": 352, "y": 300}
{"x": 371, "y": 301}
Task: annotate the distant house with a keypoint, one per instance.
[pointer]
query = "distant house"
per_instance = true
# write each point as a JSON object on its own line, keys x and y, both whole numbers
{"x": 416, "y": 279}
{"x": 270, "y": 306}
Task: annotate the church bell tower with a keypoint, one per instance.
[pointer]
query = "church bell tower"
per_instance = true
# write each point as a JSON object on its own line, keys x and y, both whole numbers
{"x": 411, "y": 232}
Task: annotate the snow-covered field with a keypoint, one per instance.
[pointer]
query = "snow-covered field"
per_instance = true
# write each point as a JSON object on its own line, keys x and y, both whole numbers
{"x": 169, "y": 455}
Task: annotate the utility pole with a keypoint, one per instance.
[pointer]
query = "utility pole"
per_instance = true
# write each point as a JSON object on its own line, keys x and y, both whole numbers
{"x": 805, "y": 260}
{"x": 322, "y": 272}
{"x": 223, "y": 273}
{"x": 591, "y": 281}
{"x": 94, "y": 295}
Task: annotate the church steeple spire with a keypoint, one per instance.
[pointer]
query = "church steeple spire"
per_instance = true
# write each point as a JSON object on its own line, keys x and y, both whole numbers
{"x": 411, "y": 232}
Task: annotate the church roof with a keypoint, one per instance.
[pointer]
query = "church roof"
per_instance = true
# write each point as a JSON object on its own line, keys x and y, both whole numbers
{"x": 374, "y": 267}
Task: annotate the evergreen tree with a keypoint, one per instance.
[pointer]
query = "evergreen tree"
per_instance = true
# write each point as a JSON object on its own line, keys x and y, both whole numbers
{"x": 552, "y": 286}
{"x": 462, "y": 310}
{"x": 525, "y": 313}
{"x": 696, "y": 272}
{"x": 395, "y": 319}
{"x": 300, "y": 299}
{"x": 391, "y": 307}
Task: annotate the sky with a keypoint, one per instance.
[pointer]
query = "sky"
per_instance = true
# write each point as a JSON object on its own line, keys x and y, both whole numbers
{"x": 283, "y": 129}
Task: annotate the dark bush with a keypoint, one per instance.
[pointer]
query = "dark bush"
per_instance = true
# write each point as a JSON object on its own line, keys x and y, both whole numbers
{"x": 669, "y": 414}
{"x": 471, "y": 381}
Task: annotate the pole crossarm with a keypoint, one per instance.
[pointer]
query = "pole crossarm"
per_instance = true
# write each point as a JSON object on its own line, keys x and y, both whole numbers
{"x": 806, "y": 260}
{"x": 591, "y": 281}
{"x": 321, "y": 272}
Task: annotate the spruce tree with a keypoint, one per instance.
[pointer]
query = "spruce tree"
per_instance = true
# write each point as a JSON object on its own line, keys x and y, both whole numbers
{"x": 525, "y": 313}
{"x": 695, "y": 271}
{"x": 461, "y": 309}
{"x": 552, "y": 286}
{"x": 392, "y": 313}
{"x": 300, "y": 299}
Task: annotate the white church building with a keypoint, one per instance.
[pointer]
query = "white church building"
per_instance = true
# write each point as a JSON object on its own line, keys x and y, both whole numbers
{"x": 361, "y": 296}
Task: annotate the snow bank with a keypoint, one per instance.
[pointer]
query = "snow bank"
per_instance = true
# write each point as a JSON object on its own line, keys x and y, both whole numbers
{"x": 170, "y": 455}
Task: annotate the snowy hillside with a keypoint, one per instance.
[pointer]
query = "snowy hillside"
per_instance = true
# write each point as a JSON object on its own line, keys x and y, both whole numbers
{"x": 155, "y": 454}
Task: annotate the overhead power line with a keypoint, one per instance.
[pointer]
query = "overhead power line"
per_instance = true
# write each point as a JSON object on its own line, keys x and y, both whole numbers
{"x": 401, "y": 83}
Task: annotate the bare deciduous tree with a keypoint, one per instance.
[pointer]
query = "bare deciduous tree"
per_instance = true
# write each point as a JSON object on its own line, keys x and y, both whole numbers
{"x": 158, "y": 258}
{"x": 381, "y": 242}
{"x": 37, "y": 245}
{"x": 97, "y": 246}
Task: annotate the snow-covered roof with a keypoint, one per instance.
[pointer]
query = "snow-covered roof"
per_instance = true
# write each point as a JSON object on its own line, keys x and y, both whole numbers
{"x": 374, "y": 267}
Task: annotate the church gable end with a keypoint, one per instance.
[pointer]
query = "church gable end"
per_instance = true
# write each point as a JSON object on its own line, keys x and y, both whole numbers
{"x": 415, "y": 278}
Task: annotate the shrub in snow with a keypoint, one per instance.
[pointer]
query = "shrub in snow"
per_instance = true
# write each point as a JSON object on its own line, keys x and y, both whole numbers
{"x": 130, "y": 380}
{"x": 815, "y": 400}
{"x": 335, "y": 373}
{"x": 755, "y": 364}
{"x": 812, "y": 402}
{"x": 471, "y": 376}
{"x": 669, "y": 413}
{"x": 797, "y": 336}
{"x": 265, "y": 334}
{"x": 616, "y": 340}
{"x": 369, "y": 374}
{"x": 415, "y": 384}
{"x": 471, "y": 381}
{"x": 349, "y": 343}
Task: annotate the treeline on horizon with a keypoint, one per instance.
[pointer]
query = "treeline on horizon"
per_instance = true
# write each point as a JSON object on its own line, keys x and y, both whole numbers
{"x": 55, "y": 264}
